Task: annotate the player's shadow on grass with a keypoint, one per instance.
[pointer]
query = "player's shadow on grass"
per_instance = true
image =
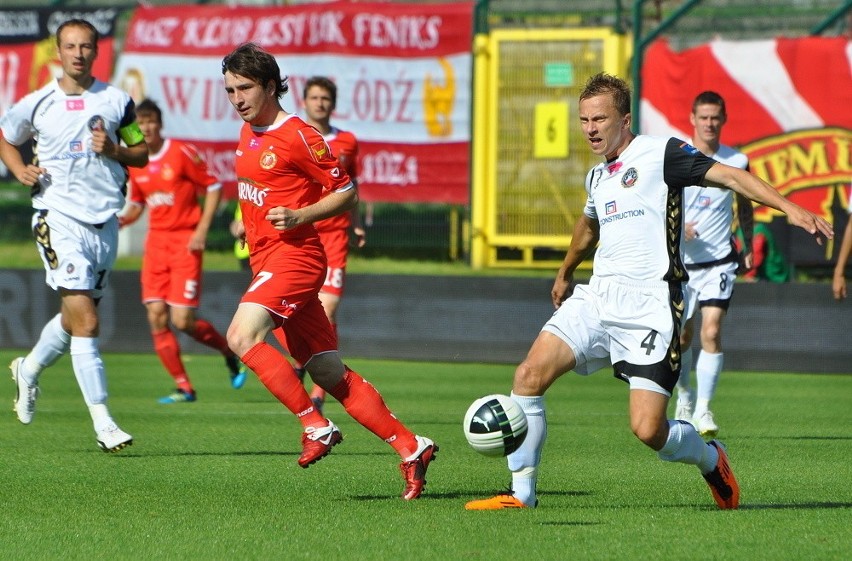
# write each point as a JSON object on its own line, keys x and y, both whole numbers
{"x": 467, "y": 495}
{"x": 817, "y": 505}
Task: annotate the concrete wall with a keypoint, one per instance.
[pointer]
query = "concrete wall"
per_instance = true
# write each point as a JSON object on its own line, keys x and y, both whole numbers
{"x": 790, "y": 327}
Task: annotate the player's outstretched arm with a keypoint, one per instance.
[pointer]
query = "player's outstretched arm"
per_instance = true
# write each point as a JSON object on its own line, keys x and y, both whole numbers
{"x": 761, "y": 192}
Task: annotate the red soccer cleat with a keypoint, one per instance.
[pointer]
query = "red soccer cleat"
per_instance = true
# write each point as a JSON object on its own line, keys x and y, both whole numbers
{"x": 318, "y": 442}
{"x": 414, "y": 471}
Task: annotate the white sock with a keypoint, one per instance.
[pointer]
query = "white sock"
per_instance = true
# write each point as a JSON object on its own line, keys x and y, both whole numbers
{"x": 683, "y": 388}
{"x": 89, "y": 369}
{"x": 707, "y": 371}
{"x": 101, "y": 418}
{"x": 52, "y": 344}
{"x": 523, "y": 462}
{"x": 684, "y": 445}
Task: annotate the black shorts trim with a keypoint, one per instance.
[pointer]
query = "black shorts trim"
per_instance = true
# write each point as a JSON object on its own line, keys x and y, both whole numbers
{"x": 660, "y": 373}
{"x": 716, "y": 303}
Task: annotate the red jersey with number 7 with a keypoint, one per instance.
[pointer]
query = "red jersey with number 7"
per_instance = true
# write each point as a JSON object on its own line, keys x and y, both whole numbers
{"x": 287, "y": 164}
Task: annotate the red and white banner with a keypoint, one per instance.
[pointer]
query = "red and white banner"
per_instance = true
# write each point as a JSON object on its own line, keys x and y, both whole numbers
{"x": 789, "y": 104}
{"x": 28, "y": 57}
{"x": 403, "y": 73}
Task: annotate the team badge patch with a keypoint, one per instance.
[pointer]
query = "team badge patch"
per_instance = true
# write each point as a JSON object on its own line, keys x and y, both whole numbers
{"x": 689, "y": 148}
{"x": 268, "y": 159}
{"x": 629, "y": 178}
{"x": 320, "y": 151}
{"x": 167, "y": 173}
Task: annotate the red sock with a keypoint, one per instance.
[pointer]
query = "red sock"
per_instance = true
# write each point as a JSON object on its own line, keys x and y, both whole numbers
{"x": 206, "y": 334}
{"x": 364, "y": 403}
{"x": 168, "y": 349}
{"x": 280, "y": 379}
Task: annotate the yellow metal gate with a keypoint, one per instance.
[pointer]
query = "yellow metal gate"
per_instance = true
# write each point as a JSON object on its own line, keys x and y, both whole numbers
{"x": 529, "y": 155}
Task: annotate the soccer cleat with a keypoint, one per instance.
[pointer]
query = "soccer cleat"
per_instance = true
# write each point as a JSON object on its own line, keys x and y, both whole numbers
{"x": 318, "y": 442}
{"x": 705, "y": 425}
{"x": 501, "y": 501}
{"x": 237, "y": 370}
{"x": 414, "y": 471}
{"x": 722, "y": 483}
{"x": 112, "y": 439}
{"x": 27, "y": 393}
{"x": 179, "y": 396}
{"x": 684, "y": 410}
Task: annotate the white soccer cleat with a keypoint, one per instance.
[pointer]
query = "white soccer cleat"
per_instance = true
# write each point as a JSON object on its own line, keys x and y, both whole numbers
{"x": 27, "y": 393}
{"x": 706, "y": 425}
{"x": 112, "y": 439}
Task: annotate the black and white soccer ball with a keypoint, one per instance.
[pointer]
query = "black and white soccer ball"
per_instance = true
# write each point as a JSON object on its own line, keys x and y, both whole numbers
{"x": 495, "y": 425}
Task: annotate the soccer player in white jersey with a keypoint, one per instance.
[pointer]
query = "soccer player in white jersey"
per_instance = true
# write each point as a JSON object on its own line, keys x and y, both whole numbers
{"x": 631, "y": 310}
{"x": 78, "y": 124}
{"x": 710, "y": 256}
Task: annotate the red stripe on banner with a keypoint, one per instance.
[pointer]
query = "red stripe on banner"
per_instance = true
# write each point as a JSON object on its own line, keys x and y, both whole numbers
{"x": 362, "y": 28}
{"x": 670, "y": 81}
{"x": 828, "y": 93}
{"x": 407, "y": 173}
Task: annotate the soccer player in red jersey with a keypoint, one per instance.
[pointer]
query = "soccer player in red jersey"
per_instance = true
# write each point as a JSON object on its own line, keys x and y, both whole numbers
{"x": 282, "y": 166}
{"x": 172, "y": 265}
{"x": 320, "y": 99}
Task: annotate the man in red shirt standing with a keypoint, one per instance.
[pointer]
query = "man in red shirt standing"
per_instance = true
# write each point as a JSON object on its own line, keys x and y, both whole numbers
{"x": 282, "y": 165}
{"x": 320, "y": 99}
{"x": 172, "y": 265}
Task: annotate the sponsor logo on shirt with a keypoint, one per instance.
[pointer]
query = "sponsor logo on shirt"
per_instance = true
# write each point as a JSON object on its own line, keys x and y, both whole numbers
{"x": 629, "y": 178}
{"x": 76, "y": 146}
{"x": 610, "y": 208}
{"x": 614, "y": 167}
{"x": 250, "y": 192}
{"x": 75, "y": 104}
{"x": 253, "y": 143}
{"x": 703, "y": 200}
{"x": 160, "y": 199}
{"x": 622, "y": 215}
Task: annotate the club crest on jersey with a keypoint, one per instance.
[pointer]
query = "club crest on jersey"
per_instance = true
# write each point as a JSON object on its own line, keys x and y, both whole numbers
{"x": 167, "y": 173}
{"x": 629, "y": 178}
{"x": 268, "y": 159}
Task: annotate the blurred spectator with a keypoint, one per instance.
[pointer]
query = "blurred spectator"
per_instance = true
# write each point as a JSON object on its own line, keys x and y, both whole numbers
{"x": 768, "y": 263}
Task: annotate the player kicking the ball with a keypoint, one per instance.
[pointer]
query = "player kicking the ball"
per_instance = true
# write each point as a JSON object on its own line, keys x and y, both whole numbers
{"x": 282, "y": 166}
{"x": 631, "y": 310}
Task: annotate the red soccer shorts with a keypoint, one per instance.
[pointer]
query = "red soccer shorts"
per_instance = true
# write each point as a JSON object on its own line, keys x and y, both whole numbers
{"x": 170, "y": 272}
{"x": 336, "y": 245}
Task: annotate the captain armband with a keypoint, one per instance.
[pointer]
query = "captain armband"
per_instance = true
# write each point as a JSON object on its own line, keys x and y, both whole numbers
{"x": 131, "y": 134}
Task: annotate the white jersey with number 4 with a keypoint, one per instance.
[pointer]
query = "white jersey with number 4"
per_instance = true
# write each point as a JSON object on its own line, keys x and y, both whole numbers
{"x": 82, "y": 184}
{"x": 712, "y": 211}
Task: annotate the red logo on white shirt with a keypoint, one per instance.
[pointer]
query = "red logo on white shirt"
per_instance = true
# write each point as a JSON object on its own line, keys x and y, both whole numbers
{"x": 74, "y": 104}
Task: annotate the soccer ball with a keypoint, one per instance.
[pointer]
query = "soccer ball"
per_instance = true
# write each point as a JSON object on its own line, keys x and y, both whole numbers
{"x": 495, "y": 425}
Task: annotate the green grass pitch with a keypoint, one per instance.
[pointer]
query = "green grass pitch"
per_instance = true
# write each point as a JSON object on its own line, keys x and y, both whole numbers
{"x": 218, "y": 479}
